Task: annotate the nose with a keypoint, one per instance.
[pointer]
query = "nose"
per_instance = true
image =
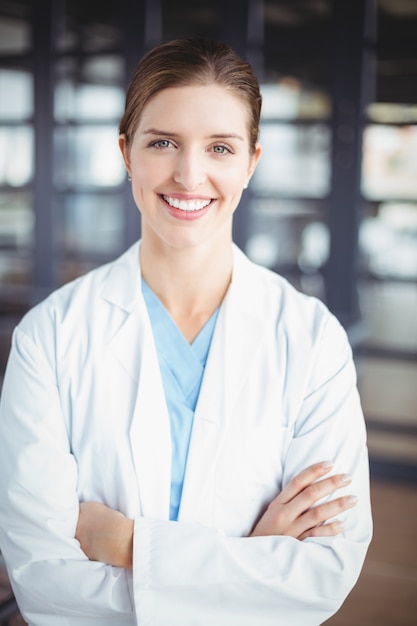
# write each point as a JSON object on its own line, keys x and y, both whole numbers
{"x": 190, "y": 171}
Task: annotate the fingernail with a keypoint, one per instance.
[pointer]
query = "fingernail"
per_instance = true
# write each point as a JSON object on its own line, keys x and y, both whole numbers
{"x": 351, "y": 500}
{"x": 327, "y": 464}
{"x": 346, "y": 478}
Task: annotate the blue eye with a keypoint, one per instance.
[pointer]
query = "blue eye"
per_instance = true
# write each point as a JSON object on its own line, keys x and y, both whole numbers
{"x": 220, "y": 149}
{"x": 161, "y": 143}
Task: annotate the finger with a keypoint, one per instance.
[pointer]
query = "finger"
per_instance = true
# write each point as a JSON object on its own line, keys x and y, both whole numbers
{"x": 315, "y": 492}
{"x": 320, "y": 514}
{"x": 324, "y": 530}
{"x": 302, "y": 480}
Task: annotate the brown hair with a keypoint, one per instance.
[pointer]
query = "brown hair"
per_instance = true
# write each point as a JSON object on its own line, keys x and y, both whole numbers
{"x": 190, "y": 61}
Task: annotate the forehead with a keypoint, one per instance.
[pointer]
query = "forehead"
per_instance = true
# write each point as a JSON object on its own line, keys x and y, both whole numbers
{"x": 197, "y": 106}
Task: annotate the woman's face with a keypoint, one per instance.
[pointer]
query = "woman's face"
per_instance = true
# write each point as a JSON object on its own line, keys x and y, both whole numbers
{"x": 189, "y": 161}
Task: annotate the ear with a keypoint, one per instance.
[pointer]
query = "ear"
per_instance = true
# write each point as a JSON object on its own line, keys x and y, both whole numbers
{"x": 124, "y": 149}
{"x": 254, "y": 160}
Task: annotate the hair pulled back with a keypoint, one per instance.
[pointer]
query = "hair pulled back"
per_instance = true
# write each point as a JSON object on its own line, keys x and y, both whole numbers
{"x": 191, "y": 61}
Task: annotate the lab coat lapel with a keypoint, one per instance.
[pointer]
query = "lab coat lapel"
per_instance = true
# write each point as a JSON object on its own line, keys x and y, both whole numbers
{"x": 150, "y": 431}
{"x": 238, "y": 335}
{"x": 133, "y": 346}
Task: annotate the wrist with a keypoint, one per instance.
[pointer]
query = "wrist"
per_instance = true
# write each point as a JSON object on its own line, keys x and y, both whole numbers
{"x": 126, "y": 544}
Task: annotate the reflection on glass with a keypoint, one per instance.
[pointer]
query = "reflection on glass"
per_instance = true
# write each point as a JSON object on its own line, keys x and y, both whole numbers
{"x": 287, "y": 233}
{"x": 103, "y": 69}
{"x": 387, "y": 113}
{"x": 16, "y": 95}
{"x": 390, "y": 162}
{"x": 388, "y": 241}
{"x": 16, "y": 220}
{"x": 91, "y": 90}
{"x": 315, "y": 246}
{"x": 16, "y": 155}
{"x": 87, "y": 102}
{"x": 90, "y": 30}
{"x": 14, "y": 35}
{"x": 389, "y": 313}
{"x": 88, "y": 156}
{"x": 295, "y": 161}
{"x": 92, "y": 223}
{"x": 15, "y": 278}
{"x": 296, "y": 246}
{"x": 185, "y": 18}
{"x": 290, "y": 99}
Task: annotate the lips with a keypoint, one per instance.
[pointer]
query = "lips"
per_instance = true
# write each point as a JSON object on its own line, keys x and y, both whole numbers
{"x": 188, "y": 206}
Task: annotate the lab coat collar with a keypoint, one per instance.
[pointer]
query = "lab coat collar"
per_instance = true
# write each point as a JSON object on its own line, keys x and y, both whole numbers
{"x": 123, "y": 284}
{"x": 236, "y": 340}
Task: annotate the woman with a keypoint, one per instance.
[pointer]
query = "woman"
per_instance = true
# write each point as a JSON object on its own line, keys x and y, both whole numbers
{"x": 202, "y": 411}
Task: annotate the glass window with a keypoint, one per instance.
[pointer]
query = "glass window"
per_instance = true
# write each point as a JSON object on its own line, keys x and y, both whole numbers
{"x": 16, "y": 155}
{"x": 390, "y": 162}
{"x": 288, "y": 232}
{"x": 387, "y": 113}
{"x": 15, "y": 35}
{"x": 15, "y": 278}
{"x": 291, "y": 99}
{"x": 16, "y": 95}
{"x": 388, "y": 241}
{"x": 88, "y": 102}
{"x": 388, "y": 309}
{"x": 90, "y": 90}
{"x": 84, "y": 27}
{"x": 88, "y": 156}
{"x": 91, "y": 224}
{"x": 16, "y": 220}
{"x": 295, "y": 161}
{"x": 189, "y": 17}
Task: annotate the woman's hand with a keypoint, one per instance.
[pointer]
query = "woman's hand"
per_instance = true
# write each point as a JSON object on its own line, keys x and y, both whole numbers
{"x": 293, "y": 511}
{"x": 105, "y": 535}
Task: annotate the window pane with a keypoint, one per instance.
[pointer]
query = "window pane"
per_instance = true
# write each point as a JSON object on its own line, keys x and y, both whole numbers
{"x": 290, "y": 99}
{"x": 190, "y": 17}
{"x": 390, "y": 162}
{"x": 386, "y": 113}
{"x": 388, "y": 241}
{"x": 16, "y": 95}
{"x": 287, "y": 232}
{"x": 90, "y": 92}
{"x": 16, "y": 155}
{"x": 16, "y": 220}
{"x": 91, "y": 224}
{"x": 88, "y": 156}
{"x": 15, "y": 35}
{"x": 90, "y": 27}
{"x": 388, "y": 311}
{"x": 295, "y": 161}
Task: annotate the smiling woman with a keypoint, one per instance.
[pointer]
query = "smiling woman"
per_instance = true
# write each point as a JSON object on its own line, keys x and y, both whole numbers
{"x": 182, "y": 440}
{"x": 189, "y": 161}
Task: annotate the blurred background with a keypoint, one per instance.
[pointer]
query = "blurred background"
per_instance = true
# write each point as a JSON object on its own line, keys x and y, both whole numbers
{"x": 332, "y": 206}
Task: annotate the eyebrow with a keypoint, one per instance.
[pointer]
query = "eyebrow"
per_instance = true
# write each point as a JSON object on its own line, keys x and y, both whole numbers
{"x": 165, "y": 133}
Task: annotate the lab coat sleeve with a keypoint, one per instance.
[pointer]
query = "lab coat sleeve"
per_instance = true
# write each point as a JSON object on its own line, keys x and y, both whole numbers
{"x": 186, "y": 570}
{"x": 53, "y": 580}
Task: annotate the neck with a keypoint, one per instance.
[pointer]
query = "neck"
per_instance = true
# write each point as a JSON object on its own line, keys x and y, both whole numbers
{"x": 190, "y": 282}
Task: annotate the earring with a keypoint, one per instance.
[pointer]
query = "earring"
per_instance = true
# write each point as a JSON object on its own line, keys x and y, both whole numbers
{"x": 129, "y": 178}
{"x": 245, "y": 186}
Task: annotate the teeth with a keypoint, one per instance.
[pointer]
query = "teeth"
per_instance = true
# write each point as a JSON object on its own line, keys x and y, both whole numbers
{"x": 183, "y": 205}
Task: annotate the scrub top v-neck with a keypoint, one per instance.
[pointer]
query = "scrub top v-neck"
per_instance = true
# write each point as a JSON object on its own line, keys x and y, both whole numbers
{"x": 182, "y": 368}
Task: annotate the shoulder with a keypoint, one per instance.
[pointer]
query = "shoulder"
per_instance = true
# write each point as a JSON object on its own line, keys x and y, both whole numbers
{"x": 274, "y": 298}
{"x": 79, "y": 301}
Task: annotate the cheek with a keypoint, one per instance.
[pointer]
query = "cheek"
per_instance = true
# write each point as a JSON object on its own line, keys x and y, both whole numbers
{"x": 143, "y": 173}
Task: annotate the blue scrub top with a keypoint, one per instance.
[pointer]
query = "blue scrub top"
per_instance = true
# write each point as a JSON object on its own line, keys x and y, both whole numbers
{"x": 182, "y": 368}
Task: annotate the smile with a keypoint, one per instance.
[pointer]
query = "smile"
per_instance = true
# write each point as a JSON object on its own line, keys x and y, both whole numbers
{"x": 186, "y": 205}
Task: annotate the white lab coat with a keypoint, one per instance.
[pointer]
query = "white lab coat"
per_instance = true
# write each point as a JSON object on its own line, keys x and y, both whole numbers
{"x": 83, "y": 417}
